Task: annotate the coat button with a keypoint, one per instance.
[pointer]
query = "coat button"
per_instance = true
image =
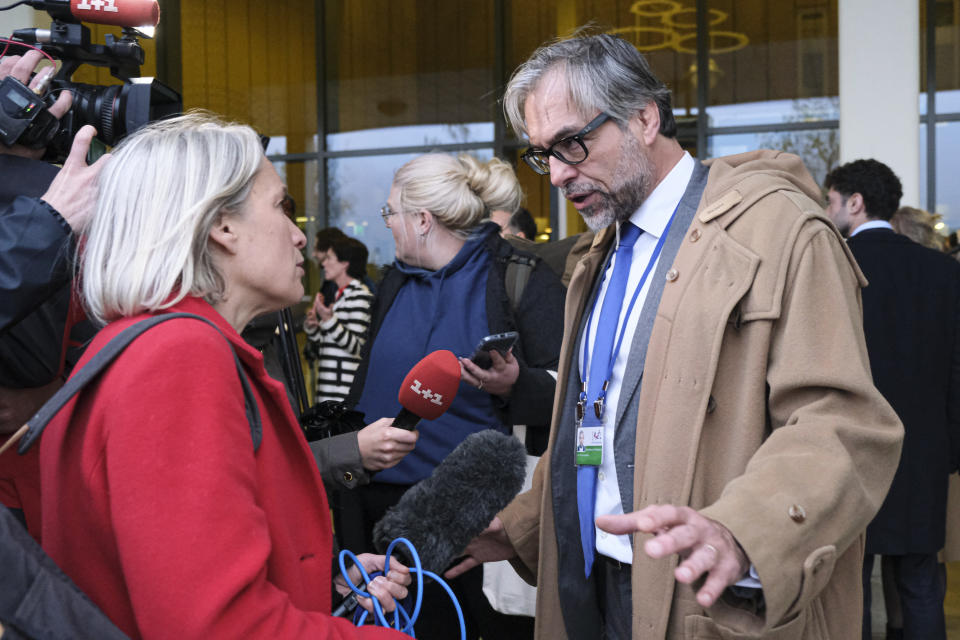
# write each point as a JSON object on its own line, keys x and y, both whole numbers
{"x": 672, "y": 275}
{"x": 797, "y": 513}
{"x": 694, "y": 235}
{"x": 347, "y": 476}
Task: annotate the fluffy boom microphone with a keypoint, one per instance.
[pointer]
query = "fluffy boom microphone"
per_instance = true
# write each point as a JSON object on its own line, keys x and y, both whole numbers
{"x": 444, "y": 512}
{"x": 429, "y": 389}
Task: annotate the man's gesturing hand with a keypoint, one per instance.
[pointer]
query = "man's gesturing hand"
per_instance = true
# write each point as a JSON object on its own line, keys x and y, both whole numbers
{"x": 706, "y": 546}
{"x": 490, "y": 546}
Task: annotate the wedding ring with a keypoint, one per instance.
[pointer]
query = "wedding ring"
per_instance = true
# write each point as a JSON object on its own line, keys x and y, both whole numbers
{"x": 712, "y": 548}
{"x": 480, "y": 386}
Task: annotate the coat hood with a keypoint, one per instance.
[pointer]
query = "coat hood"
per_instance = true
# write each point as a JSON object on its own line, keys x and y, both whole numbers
{"x": 758, "y": 173}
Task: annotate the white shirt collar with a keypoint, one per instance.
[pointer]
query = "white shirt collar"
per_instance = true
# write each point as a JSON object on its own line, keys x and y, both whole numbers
{"x": 872, "y": 224}
{"x": 655, "y": 212}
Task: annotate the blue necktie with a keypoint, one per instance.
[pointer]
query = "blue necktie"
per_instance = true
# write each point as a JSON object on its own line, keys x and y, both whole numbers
{"x": 600, "y": 362}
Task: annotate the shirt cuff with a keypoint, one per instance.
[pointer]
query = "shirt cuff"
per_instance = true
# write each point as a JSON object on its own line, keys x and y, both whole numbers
{"x": 748, "y": 583}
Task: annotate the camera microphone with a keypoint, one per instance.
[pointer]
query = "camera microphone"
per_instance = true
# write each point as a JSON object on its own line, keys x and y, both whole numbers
{"x": 119, "y": 13}
{"x": 428, "y": 390}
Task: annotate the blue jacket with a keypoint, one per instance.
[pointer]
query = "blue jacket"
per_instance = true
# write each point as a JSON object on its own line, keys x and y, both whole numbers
{"x": 538, "y": 319}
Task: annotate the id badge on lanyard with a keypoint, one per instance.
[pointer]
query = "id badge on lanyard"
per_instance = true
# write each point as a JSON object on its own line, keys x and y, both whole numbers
{"x": 589, "y": 451}
{"x": 589, "y": 424}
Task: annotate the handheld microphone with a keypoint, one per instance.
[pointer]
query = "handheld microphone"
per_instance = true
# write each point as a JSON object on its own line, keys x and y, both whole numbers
{"x": 428, "y": 390}
{"x": 119, "y": 13}
{"x": 441, "y": 514}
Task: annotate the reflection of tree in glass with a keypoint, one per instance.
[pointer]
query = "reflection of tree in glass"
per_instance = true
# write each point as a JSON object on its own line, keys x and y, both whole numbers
{"x": 819, "y": 148}
{"x": 455, "y": 134}
{"x": 339, "y": 205}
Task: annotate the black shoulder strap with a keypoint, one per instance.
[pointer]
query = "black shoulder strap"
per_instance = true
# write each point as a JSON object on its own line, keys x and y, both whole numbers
{"x": 517, "y": 274}
{"x": 105, "y": 356}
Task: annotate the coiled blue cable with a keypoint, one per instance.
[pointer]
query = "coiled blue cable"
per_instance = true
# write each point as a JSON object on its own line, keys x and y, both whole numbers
{"x": 402, "y": 621}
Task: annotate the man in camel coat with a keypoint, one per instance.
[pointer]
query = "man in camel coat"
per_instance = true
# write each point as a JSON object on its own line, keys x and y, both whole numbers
{"x": 745, "y": 447}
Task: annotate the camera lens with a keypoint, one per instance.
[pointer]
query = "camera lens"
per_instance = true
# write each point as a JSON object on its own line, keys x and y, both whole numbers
{"x": 101, "y": 107}
{"x": 118, "y": 110}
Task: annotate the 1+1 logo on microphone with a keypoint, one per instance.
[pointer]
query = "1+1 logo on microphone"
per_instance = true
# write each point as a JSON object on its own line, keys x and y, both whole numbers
{"x": 98, "y": 5}
{"x": 426, "y": 394}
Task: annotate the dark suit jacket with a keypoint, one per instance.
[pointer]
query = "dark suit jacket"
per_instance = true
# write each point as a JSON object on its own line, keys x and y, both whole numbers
{"x": 911, "y": 318}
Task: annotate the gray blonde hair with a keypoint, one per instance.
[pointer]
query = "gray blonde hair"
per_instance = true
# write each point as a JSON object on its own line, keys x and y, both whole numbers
{"x": 460, "y": 191}
{"x": 919, "y": 226}
{"x": 600, "y": 72}
{"x": 146, "y": 245}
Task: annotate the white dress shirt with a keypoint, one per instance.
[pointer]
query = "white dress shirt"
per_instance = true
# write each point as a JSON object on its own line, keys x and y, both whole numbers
{"x": 872, "y": 224}
{"x": 652, "y": 217}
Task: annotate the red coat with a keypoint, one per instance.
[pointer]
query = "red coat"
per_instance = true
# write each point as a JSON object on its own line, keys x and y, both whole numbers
{"x": 20, "y": 484}
{"x": 156, "y": 504}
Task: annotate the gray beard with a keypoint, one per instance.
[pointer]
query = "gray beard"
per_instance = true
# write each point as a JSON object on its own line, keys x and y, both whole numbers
{"x": 631, "y": 186}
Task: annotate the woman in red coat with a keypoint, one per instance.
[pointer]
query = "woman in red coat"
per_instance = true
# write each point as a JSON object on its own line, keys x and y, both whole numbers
{"x": 154, "y": 499}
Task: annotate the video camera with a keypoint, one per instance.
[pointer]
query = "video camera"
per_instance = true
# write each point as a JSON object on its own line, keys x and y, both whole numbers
{"x": 115, "y": 110}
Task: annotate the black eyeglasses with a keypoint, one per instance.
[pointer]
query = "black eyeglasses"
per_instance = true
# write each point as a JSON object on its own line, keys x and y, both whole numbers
{"x": 569, "y": 150}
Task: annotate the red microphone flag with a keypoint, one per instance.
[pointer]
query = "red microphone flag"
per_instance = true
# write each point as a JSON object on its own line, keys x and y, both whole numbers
{"x": 121, "y": 13}
{"x": 430, "y": 387}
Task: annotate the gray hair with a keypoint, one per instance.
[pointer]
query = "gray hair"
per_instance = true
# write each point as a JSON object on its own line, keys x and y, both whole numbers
{"x": 460, "y": 191}
{"x": 146, "y": 245}
{"x": 601, "y": 72}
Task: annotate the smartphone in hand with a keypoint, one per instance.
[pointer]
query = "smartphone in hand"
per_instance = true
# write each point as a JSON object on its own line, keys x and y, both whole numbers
{"x": 501, "y": 342}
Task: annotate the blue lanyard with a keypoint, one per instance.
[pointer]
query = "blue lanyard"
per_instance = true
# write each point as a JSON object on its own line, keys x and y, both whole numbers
{"x": 598, "y": 402}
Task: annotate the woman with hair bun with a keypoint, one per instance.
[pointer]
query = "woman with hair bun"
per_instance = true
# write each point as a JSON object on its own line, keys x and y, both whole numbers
{"x": 447, "y": 289}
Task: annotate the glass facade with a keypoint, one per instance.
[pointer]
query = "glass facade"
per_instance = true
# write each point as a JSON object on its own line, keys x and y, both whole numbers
{"x": 392, "y": 79}
{"x": 940, "y": 134}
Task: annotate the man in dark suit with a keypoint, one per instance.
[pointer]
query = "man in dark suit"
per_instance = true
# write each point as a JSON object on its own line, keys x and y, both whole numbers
{"x": 911, "y": 318}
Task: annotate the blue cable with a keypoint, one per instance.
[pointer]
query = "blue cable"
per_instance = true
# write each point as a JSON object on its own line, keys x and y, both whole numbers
{"x": 402, "y": 621}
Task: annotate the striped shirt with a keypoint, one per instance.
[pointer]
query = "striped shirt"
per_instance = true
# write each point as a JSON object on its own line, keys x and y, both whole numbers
{"x": 341, "y": 338}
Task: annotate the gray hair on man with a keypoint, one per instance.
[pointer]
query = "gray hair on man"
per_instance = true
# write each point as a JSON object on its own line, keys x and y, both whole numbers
{"x": 146, "y": 245}
{"x": 601, "y": 72}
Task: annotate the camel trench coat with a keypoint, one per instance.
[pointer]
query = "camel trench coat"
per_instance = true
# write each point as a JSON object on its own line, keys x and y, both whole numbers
{"x": 756, "y": 408}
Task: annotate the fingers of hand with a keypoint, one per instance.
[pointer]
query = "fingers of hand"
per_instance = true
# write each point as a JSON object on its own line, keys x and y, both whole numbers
{"x": 23, "y": 67}
{"x": 661, "y": 516}
{"x": 717, "y": 580}
{"x": 469, "y": 372}
{"x": 620, "y": 524}
{"x": 402, "y": 439}
{"x": 386, "y": 592}
{"x": 80, "y": 147}
{"x": 702, "y": 559}
{"x": 62, "y": 105}
{"x": 463, "y": 567}
{"x": 678, "y": 539}
{"x": 40, "y": 76}
{"x": 399, "y": 573}
{"x": 6, "y": 65}
{"x": 470, "y": 367}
